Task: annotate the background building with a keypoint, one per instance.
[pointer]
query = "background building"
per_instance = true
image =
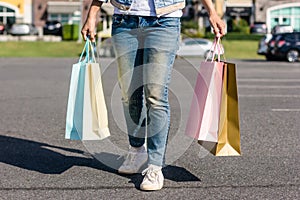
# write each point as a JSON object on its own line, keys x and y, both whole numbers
{"x": 37, "y": 12}
{"x": 228, "y": 10}
{"x": 12, "y": 11}
{"x": 69, "y": 12}
{"x": 65, "y": 11}
{"x": 275, "y": 12}
{"x": 239, "y": 9}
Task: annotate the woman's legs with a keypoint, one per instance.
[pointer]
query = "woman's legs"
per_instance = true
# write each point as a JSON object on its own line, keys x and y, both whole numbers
{"x": 145, "y": 49}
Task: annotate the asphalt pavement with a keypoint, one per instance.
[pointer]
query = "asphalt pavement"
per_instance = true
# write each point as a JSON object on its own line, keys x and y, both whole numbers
{"x": 36, "y": 161}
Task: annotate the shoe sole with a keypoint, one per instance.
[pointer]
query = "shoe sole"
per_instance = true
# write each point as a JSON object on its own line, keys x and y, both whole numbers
{"x": 151, "y": 188}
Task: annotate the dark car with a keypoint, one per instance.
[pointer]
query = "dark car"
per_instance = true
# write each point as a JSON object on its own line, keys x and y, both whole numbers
{"x": 284, "y": 46}
{"x": 2, "y": 28}
{"x": 53, "y": 28}
{"x": 271, "y": 46}
{"x": 258, "y": 28}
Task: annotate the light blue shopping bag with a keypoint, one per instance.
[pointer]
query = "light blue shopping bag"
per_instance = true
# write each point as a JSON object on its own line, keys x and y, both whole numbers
{"x": 76, "y": 95}
{"x": 86, "y": 111}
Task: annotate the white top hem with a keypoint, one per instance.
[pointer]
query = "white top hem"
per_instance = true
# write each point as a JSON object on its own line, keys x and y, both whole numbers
{"x": 177, "y": 13}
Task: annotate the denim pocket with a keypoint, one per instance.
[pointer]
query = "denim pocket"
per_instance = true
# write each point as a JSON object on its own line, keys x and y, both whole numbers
{"x": 117, "y": 20}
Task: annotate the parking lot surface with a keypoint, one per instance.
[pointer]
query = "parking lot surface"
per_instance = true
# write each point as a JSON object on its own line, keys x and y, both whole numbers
{"x": 38, "y": 163}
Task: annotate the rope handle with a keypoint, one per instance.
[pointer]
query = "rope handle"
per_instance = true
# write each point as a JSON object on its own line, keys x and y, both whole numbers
{"x": 89, "y": 50}
{"x": 216, "y": 49}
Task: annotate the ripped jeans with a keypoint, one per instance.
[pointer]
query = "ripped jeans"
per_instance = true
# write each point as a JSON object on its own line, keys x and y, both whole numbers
{"x": 145, "y": 49}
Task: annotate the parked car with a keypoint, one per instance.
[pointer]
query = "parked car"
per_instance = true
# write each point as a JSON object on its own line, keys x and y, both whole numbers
{"x": 282, "y": 29}
{"x": 263, "y": 44}
{"x": 52, "y": 28}
{"x": 23, "y": 29}
{"x": 195, "y": 47}
{"x": 267, "y": 43}
{"x": 2, "y": 28}
{"x": 258, "y": 28}
{"x": 271, "y": 46}
{"x": 284, "y": 46}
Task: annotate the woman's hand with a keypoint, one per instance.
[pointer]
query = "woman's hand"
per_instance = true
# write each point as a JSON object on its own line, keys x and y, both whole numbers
{"x": 218, "y": 25}
{"x": 89, "y": 26}
{"x": 216, "y": 22}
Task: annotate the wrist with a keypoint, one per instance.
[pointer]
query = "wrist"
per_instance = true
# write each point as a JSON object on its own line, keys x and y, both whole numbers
{"x": 95, "y": 8}
{"x": 209, "y": 6}
{"x": 97, "y": 3}
{"x": 212, "y": 12}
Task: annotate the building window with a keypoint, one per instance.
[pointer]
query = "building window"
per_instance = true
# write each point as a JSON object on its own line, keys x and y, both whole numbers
{"x": 7, "y": 15}
{"x": 286, "y": 16}
{"x": 63, "y": 18}
{"x": 53, "y": 17}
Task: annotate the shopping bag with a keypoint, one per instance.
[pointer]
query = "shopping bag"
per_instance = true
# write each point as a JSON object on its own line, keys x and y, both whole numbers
{"x": 204, "y": 113}
{"x": 229, "y": 129}
{"x": 222, "y": 102}
{"x": 86, "y": 117}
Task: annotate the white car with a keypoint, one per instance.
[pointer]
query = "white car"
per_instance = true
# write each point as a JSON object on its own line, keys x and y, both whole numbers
{"x": 263, "y": 44}
{"x": 23, "y": 29}
{"x": 195, "y": 47}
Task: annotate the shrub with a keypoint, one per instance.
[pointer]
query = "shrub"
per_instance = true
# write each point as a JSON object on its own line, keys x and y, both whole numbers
{"x": 236, "y": 36}
{"x": 191, "y": 24}
{"x": 70, "y": 32}
{"x": 189, "y": 28}
{"x": 240, "y": 26}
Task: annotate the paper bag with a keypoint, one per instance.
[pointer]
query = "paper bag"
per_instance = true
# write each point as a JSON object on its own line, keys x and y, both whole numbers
{"x": 86, "y": 111}
{"x": 214, "y": 116}
{"x": 204, "y": 114}
{"x": 229, "y": 129}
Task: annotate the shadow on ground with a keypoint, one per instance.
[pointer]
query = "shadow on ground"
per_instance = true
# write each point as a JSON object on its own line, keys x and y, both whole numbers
{"x": 44, "y": 158}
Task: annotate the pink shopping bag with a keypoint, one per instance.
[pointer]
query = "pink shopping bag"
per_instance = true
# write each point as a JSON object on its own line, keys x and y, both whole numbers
{"x": 204, "y": 114}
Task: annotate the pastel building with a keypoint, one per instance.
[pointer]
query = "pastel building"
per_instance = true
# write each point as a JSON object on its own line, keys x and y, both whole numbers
{"x": 37, "y": 12}
{"x": 12, "y": 11}
{"x": 274, "y": 12}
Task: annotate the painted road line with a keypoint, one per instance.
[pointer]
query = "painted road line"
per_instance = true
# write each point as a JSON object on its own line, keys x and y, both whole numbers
{"x": 285, "y": 110}
{"x": 271, "y": 95}
{"x": 269, "y": 86}
{"x": 268, "y": 80}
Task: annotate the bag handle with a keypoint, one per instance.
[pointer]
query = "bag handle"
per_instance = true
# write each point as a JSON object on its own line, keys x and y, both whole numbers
{"x": 92, "y": 49}
{"x": 89, "y": 50}
{"x": 85, "y": 50}
{"x": 216, "y": 49}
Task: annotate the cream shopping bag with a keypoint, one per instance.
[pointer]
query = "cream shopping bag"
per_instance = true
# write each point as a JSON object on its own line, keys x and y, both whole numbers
{"x": 86, "y": 113}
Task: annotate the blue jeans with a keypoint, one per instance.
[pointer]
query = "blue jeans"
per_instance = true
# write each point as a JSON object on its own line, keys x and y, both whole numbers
{"x": 145, "y": 49}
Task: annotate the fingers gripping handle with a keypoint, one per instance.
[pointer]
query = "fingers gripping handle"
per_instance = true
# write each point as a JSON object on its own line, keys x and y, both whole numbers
{"x": 89, "y": 51}
{"x": 216, "y": 49}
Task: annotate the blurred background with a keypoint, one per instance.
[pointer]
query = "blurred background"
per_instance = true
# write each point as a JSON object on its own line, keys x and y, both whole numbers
{"x": 250, "y": 23}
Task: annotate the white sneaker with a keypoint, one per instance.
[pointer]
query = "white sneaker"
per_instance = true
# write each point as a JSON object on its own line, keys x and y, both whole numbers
{"x": 154, "y": 178}
{"x": 135, "y": 159}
